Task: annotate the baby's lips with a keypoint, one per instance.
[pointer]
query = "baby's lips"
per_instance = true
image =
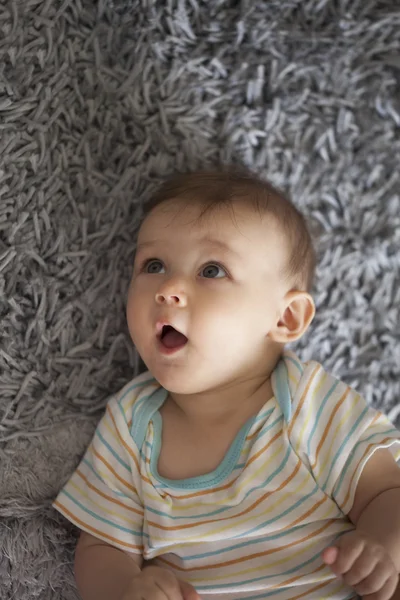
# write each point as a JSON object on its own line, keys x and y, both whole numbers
{"x": 164, "y": 323}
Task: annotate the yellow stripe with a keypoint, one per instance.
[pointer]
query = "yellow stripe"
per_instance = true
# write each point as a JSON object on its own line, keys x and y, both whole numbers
{"x": 320, "y": 467}
{"x": 103, "y": 495}
{"x": 310, "y": 411}
{"x": 224, "y": 497}
{"x": 121, "y": 441}
{"x": 280, "y": 500}
{"x": 314, "y": 589}
{"x": 112, "y": 470}
{"x": 366, "y": 451}
{"x": 103, "y": 510}
{"x": 305, "y": 547}
{"x": 303, "y": 397}
{"x": 96, "y": 532}
{"x": 265, "y": 553}
{"x": 205, "y": 535}
{"x": 223, "y": 488}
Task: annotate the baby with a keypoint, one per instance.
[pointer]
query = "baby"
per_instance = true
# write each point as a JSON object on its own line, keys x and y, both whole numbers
{"x": 231, "y": 469}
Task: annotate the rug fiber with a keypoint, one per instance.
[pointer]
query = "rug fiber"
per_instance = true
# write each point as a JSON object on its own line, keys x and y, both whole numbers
{"x": 99, "y": 100}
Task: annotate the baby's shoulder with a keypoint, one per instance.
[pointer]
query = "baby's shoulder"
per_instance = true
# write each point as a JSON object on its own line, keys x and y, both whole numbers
{"x": 309, "y": 384}
{"x": 128, "y": 400}
{"x": 303, "y": 373}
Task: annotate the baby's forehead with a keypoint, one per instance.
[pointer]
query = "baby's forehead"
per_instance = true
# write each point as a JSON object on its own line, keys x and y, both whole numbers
{"x": 236, "y": 224}
{"x": 200, "y": 215}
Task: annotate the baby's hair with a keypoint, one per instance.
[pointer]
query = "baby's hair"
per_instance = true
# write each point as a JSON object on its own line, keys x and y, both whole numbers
{"x": 219, "y": 188}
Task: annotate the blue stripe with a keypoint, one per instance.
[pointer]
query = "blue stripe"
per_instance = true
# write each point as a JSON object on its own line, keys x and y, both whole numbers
{"x": 225, "y": 508}
{"x": 134, "y": 386}
{"x": 351, "y": 596}
{"x": 262, "y": 433}
{"x": 275, "y": 536}
{"x": 283, "y": 396}
{"x": 295, "y": 569}
{"x": 260, "y": 436}
{"x": 287, "y": 511}
{"x": 363, "y": 441}
{"x": 264, "y": 415}
{"x": 270, "y": 426}
{"x": 139, "y": 403}
{"x": 112, "y": 524}
{"x": 113, "y": 452}
{"x": 318, "y": 415}
{"x": 343, "y": 444}
{"x": 264, "y": 524}
{"x": 88, "y": 464}
{"x": 295, "y": 362}
{"x": 140, "y": 384}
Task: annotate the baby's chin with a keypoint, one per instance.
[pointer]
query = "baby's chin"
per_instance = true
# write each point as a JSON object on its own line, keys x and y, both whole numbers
{"x": 178, "y": 384}
{"x": 180, "y": 381}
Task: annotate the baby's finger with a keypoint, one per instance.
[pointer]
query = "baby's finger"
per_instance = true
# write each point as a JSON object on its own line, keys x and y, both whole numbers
{"x": 368, "y": 561}
{"x": 373, "y": 582}
{"x": 188, "y": 591}
{"x": 330, "y": 554}
{"x": 386, "y": 592}
{"x": 350, "y": 548}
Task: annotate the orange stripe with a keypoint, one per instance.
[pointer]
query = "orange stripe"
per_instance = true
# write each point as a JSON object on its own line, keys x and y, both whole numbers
{"x": 109, "y": 498}
{"x": 236, "y": 561}
{"x": 306, "y": 514}
{"x": 361, "y": 459}
{"x": 125, "y": 445}
{"x": 103, "y": 460}
{"x": 253, "y": 458}
{"x": 97, "y": 532}
{"x": 317, "y": 587}
{"x": 300, "y": 404}
{"x": 244, "y": 512}
{"x": 227, "y": 485}
{"x": 128, "y": 449}
{"x": 289, "y": 526}
{"x": 325, "y": 434}
{"x": 264, "y": 448}
{"x": 297, "y": 577}
{"x": 293, "y": 524}
{"x": 256, "y": 432}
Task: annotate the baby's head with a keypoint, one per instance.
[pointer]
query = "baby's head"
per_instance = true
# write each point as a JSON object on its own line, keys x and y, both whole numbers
{"x": 222, "y": 274}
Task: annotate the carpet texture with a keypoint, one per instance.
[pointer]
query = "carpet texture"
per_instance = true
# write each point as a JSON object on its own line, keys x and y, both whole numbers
{"x": 98, "y": 102}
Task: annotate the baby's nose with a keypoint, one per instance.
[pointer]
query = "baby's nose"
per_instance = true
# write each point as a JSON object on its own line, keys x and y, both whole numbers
{"x": 171, "y": 294}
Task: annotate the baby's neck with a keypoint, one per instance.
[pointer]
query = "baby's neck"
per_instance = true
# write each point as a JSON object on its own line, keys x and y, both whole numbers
{"x": 233, "y": 403}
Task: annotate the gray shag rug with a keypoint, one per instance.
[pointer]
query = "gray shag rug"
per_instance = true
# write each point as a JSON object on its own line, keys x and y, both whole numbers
{"x": 99, "y": 100}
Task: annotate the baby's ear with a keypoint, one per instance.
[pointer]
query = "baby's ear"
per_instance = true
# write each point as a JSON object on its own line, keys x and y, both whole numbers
{"x": 297, "y": 313}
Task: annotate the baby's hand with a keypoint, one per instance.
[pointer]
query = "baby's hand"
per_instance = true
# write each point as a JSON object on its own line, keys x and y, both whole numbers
{"x": 156, "y": 583}
{"x": 363, "y": 564}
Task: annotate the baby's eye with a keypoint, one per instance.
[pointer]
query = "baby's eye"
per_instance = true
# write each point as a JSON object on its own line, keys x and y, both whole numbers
{"x": 153, "y": 266}
{"x": 213, "y": 271}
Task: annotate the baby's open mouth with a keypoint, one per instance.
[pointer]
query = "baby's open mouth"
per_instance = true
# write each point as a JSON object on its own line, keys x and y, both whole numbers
{"x": 171, "y": 338}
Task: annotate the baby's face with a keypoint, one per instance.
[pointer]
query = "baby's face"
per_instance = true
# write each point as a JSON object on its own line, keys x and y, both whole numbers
{"x": 205, "y": 294}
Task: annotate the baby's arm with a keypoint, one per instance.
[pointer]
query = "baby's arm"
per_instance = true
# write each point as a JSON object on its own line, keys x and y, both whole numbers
{"x": 368, "y": 559}
{"x": 102, "y": 571}
{"x": 376, "y": 507}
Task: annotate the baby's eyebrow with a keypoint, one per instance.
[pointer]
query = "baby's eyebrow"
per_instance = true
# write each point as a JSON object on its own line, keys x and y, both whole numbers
{"x": 205, "y": 241}
{"x": 220, "y": 245}
{"x": 143, "y": 245}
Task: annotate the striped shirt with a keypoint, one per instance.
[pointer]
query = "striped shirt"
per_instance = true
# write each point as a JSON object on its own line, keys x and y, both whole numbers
{"x": 255, "y": 527}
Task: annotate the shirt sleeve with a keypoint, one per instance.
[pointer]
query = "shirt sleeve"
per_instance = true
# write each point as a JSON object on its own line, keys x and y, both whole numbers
{"x": 335, "y": 432}
{"x": 102, "y": 496}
